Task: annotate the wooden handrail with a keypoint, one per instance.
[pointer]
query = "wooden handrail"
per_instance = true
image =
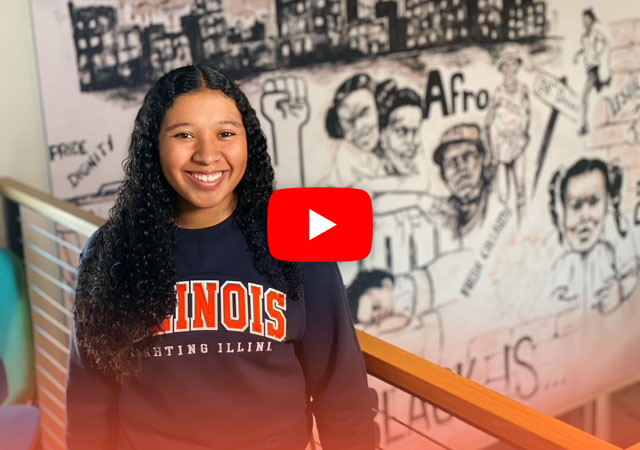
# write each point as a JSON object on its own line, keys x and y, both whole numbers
{"x": 55, "y": 209}
{"x": 481, "y": 407}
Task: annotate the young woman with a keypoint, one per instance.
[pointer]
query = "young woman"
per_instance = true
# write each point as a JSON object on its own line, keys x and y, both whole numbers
{"x": 188, "y": 334}
{"x": 599, "y": 269}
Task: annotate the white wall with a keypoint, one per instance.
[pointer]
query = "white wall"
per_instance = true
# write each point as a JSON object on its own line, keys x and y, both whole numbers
{"x": 23, "y": 151}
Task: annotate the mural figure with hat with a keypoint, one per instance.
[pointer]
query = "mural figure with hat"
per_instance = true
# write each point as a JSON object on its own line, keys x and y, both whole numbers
{"x": 465, "y": 169}
{"x": 600, "y": 268}
{"x": 507, "y": 128}
{"x": 593, "y": 45}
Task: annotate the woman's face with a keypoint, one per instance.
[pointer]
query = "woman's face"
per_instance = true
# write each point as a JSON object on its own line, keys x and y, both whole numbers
{"x": 401, "y": 137}
{"x": 203, "y": 155}
{"x": 358, "y": 117}
{"x": 585, "y": 209}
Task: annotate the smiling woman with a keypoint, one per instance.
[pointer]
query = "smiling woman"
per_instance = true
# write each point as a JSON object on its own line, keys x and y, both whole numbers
{"x": 187, "y": 332}
{"x": 203, "y": 155}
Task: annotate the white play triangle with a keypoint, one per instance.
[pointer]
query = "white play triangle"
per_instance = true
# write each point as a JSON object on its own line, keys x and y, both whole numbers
{"x": 318, "y": 224}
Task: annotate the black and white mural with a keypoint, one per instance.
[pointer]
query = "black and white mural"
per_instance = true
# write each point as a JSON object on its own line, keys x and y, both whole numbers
{"x": 499, "y": 141}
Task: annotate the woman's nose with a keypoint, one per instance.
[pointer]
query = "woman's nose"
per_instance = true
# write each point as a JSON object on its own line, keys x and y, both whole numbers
{"x": 207, "y": 153}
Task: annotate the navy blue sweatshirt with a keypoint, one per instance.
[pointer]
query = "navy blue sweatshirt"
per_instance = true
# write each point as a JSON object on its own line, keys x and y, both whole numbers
{"x": 240, "y": 366}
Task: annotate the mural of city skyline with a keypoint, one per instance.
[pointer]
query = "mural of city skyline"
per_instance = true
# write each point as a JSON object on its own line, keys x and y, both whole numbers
{"x": 128, "y": 47}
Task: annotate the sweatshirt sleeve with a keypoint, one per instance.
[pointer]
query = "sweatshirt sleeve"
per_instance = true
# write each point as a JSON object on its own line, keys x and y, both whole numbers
{"x": 333, "y": 364}
{"x": 92, "y": 401}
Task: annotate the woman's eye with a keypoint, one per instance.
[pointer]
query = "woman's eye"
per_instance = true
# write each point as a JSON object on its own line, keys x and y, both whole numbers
{"x": 225, "y": 134}
{"x": 184, "y": 135}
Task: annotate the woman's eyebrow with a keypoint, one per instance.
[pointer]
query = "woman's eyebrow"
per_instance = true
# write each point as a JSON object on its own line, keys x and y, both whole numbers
{"x": 221, "y": 122}
{"x": 177, "y": 125}
{"x": 230, "y": 122}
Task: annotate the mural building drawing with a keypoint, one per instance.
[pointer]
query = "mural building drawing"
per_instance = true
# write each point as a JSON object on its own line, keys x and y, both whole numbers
{"x": 499, "y": 141}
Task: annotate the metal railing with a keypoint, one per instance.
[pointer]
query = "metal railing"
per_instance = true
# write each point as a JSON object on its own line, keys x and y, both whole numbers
{"x": 48, "y": 234}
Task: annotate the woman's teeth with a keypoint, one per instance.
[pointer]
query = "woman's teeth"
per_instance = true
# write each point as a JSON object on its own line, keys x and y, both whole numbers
{"x": 208, "y": 178}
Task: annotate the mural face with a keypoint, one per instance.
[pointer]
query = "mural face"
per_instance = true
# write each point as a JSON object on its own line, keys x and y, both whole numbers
{"x": 401, "y": 139}
{"x": 358, "y": 119}
{"x": 498, "y": 141}
{"x": 509, "y": 69}
{"x": 462, "y": 166}
{"x": 585, "y": 201}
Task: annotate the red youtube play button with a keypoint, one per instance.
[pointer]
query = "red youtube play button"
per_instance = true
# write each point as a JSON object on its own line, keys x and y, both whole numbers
{"x": 319, "y": 224}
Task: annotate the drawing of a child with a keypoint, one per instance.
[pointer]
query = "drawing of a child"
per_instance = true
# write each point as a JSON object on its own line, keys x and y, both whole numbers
{"x": 595, "y": 270}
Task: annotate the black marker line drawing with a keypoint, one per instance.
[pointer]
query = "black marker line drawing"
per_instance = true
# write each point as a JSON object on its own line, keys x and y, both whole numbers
{"x": 285, "y": 104}
{"x": 507, "y": 129}
{"x": 400, "y": 113}
{"x": 383, "y": 303}
{"x": 117, "y": 49}
{"x": 404, "y": 162}
{"x": 421, "y": 226}
{"x": 353, "y": 119}
{"x": 636, "y": 211}
{"x": 100, "y": 201}
{"x": 381, "y": 129}
{"x": 599, "y": 270}
{"x": 593, "y": 45}
{"x": 466, "y": 170}
{"x": 632, "y": 133}
{"x": 398, "y": 307}
{"x": 555, "y": 93}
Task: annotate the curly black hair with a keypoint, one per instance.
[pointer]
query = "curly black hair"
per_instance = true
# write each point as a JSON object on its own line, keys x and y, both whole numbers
{"x": 126, "y": 284}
